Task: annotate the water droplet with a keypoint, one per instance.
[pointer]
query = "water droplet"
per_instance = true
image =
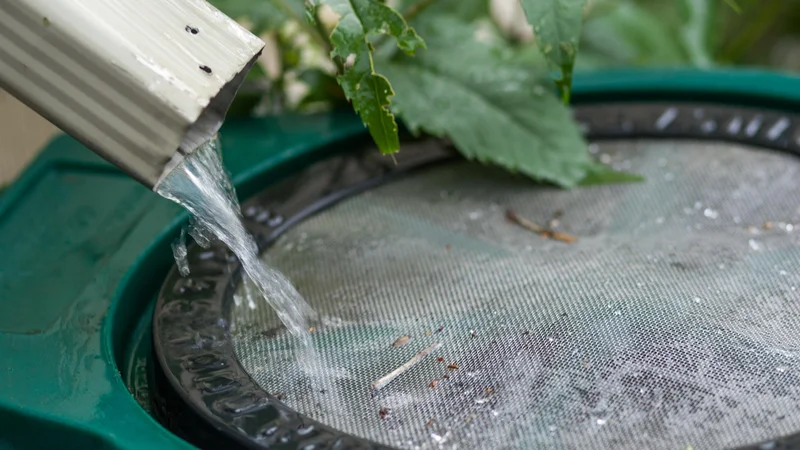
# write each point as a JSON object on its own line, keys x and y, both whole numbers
{"x": 781, "y": 369}
{"x": 552, "y": 428}
{"x": 698, "y": 205}
{"x": 594, "y": 148}
{"x": 605, "y": 158}
{"x": 601, "y": 422}
{"x": 495, "y": 413}
{"x": 698, "y": 299}
{"x": 475, "y": 215}
{"x": 617, "y": 313}
{"x": 754, "y": 245}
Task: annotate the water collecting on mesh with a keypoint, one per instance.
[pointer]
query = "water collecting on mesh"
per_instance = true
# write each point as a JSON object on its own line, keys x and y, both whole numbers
{"x": 671, "y": 322}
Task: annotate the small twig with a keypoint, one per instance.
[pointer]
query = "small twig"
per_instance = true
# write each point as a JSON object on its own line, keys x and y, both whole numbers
{"x": 399, "y": 371}
{"x": 541, "y": 231}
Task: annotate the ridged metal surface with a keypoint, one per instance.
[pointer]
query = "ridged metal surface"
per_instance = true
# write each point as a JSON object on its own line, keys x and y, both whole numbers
{"x": 134, "y": 81}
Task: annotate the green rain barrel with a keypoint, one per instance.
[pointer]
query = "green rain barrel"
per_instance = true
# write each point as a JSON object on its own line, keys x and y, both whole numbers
{"x": 664, "y": 314}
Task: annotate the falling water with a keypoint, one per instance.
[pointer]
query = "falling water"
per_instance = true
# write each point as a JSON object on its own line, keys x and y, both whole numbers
{"x": 201, "y": 184}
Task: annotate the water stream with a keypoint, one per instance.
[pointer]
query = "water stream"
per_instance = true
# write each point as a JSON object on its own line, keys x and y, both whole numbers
{"x": 201, "y": 185}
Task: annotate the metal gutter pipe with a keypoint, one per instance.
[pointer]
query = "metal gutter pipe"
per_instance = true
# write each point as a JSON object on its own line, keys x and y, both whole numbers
{"x": 140, "y": 82}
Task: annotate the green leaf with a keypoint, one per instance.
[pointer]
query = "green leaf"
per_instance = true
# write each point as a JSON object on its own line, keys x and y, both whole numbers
{"x": 557, "y": 26}
{"x": 367, "y": 90}
{"x": 495, "y": 111}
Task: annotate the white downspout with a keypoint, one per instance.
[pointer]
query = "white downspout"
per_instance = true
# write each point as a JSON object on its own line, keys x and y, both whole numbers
{"x": 140, "y": 82}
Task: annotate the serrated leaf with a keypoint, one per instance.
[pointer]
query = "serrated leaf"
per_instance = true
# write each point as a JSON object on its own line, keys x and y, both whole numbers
{"x": 557, "y": 26}
{"x": 367, "y": 90}
{"x": 494, "y": 112}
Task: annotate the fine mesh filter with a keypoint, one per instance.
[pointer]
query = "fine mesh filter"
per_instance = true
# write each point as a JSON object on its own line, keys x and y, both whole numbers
{"x": 671, "y": 323}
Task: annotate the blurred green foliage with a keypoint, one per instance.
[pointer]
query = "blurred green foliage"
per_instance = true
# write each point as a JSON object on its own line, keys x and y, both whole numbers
{"x": 485, "y": 73}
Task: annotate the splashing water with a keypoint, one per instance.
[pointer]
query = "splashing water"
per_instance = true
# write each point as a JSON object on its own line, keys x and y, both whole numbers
{"x": 201, "y": 185}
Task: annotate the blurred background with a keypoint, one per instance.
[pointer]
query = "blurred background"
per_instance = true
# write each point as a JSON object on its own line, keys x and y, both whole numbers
{"x": 296, "y": 76}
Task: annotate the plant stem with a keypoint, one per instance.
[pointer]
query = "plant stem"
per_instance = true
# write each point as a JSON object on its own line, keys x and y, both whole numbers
{"x": 313, "y": 32}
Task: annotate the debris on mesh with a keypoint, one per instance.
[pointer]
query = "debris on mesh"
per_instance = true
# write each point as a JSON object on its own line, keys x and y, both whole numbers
{"x": 401, "y": 341}
{"x": 405, "y": 367}
{"x": 663, "y": 328}
{"x": 547, "y": 233}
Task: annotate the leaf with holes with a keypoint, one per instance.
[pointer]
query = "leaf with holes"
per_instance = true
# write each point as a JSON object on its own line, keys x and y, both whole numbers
{"x": 367, "y": 90}
{"x": 557, "y": 26}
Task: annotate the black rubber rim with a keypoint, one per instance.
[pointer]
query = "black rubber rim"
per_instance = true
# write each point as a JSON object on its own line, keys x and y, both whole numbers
{"x": 201, "y": 391}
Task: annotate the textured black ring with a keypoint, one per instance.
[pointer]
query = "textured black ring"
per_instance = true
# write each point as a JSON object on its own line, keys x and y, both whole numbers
{"x": 204, "y": 394}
